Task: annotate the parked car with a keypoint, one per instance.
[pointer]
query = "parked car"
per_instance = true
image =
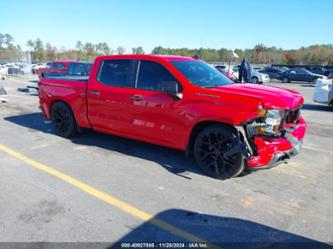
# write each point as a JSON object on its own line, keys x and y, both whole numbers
{"x": 299, "y": 75}
{"x": 256, "y": 76}
{"x": 71, "y": 68}
{"x": 273, "y": 72}
{"x": 323, "y": 92}
{"x": 318, "y": 70}
{"x": 36, "y": 67}
{"x": 182, "y": 103}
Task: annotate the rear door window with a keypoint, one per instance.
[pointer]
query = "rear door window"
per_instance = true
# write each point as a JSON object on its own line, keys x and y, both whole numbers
{"x": 80, "y": 69}
{"x": 151, "y": 74}
{"x": 61, "y": 66}
{"x": 116, "y": 73}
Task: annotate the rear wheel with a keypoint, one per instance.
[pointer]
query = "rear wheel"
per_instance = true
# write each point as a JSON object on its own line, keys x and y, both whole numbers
{"x": 63, "y": 120}
{"x": 285, "y": 80}
{"x": 217, "y": 152}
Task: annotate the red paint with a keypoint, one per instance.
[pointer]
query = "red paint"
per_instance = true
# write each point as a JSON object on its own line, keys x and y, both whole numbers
{"x": 57, "y": 67}
{"x": 159, "y": 118}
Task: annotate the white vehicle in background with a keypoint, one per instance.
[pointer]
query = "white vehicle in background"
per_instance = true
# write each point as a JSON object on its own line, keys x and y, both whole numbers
{"x": 2, "y": 72}
{"x": 323, "y": 92}
{"x": 256, "y": 77}
{"x": 35, "y": 67}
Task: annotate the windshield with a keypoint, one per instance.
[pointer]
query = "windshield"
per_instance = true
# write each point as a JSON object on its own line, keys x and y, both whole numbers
{"x": 201, "y": 74}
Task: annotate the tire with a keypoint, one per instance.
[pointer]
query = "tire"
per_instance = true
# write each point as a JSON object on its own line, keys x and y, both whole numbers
{"x": 331, "y": 105}
{"x": 255, "y": 80}
{"x": 285, "y": 79}
{"x": 63, "y": 120}
{"x": 210, "y": 151}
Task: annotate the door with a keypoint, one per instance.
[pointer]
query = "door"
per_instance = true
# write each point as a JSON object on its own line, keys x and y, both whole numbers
{"x": 155, "y": 115}
{"x": 109, "y": 96}
{"x": 303, "y": 75}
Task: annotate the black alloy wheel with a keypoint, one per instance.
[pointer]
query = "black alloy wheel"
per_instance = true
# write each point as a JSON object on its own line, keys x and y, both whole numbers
{"x": 63, "y": 120}
{"x": 217, "y": 151}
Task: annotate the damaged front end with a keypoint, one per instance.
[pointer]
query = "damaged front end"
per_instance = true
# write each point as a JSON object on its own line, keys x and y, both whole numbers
{"x": 276, "y": 135}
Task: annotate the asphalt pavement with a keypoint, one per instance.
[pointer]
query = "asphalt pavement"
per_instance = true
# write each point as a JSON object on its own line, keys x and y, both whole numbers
{"x": 103, "y": 188}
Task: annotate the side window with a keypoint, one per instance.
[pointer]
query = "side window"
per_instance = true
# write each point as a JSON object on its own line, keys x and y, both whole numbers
{"x": 61, "y": 66}
{"x": 71, "y": 69}
{"x": 115, "y": 73}
{"x": 54, "y": 66}
{"x": 80, "y": 70}
{"x": 151, "y": 75}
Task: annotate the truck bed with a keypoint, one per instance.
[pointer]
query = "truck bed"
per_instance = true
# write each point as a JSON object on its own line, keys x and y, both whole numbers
{"x": 67, "y": 77}
{"x": 68, "y": 89}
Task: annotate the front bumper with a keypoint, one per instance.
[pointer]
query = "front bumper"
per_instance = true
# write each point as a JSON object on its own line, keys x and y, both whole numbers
{"x": 271, "y": 151}
{"x": 265, "y": 79}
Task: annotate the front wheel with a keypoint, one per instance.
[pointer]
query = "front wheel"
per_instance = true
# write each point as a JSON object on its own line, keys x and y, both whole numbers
{"x": 255, "y": 80}
{"x": 63, "y": 120}
{"x": 217, "y": 152}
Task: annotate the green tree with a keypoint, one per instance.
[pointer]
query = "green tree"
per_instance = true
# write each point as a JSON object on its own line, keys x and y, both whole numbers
{"x": 121, "y": 50}
{"x": 79, "y": 46}
{"x": 2, "y": 40}
{"x": 138, "y": 50}
{"x": 8, "y": 40}
{"x": 39, "y": 53}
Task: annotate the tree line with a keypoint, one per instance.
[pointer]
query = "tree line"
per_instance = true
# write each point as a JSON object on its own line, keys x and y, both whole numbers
{"x": 87, "y": 51}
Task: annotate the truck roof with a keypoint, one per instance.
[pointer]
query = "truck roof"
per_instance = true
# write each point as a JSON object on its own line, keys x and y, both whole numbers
{"x": 148, "y": 56}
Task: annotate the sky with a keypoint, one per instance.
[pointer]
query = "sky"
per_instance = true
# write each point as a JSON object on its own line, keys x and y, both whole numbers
{"x": 170, "y": 23}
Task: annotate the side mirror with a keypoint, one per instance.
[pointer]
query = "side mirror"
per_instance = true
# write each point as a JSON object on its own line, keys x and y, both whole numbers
{"x": 172, "y": 88}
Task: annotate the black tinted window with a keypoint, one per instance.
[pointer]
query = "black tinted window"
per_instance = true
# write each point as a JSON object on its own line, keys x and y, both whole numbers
{"x": 71, "y": 69}
{"x": 115, "y": 73}
{"x": 151, "y": 75}
{"x": 61, "y": 66}
{"x": 300, "y": 71}
{"x": 80, "y": 69}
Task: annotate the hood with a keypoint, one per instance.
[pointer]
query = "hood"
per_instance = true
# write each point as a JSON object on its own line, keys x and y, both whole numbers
{"x": 271, "y": 97}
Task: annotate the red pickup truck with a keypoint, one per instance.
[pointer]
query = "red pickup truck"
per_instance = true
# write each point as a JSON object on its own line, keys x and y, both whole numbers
{"x": 182, "y": 103}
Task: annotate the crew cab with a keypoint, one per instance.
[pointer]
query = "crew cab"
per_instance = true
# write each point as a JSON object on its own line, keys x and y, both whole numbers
{"x": 182, "y": 103}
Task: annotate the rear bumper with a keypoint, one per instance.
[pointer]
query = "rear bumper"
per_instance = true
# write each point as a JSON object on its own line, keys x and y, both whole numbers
{"x": 272, "y": 151}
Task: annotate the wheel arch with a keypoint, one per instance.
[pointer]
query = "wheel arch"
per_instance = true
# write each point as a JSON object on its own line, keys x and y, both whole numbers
{"x": 197, "y": 128}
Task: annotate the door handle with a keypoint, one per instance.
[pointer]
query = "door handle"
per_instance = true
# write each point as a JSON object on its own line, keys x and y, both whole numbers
{"x": 94, "y": 92}
{"x": 136, "y": 98}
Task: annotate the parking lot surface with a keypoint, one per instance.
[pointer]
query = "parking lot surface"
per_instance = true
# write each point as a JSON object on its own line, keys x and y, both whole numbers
{"x": 102, "y": 188}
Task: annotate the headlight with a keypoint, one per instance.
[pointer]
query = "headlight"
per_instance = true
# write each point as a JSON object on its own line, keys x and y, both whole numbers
{"x": 270, "y": 123}
{"x": 274, "y": 117}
